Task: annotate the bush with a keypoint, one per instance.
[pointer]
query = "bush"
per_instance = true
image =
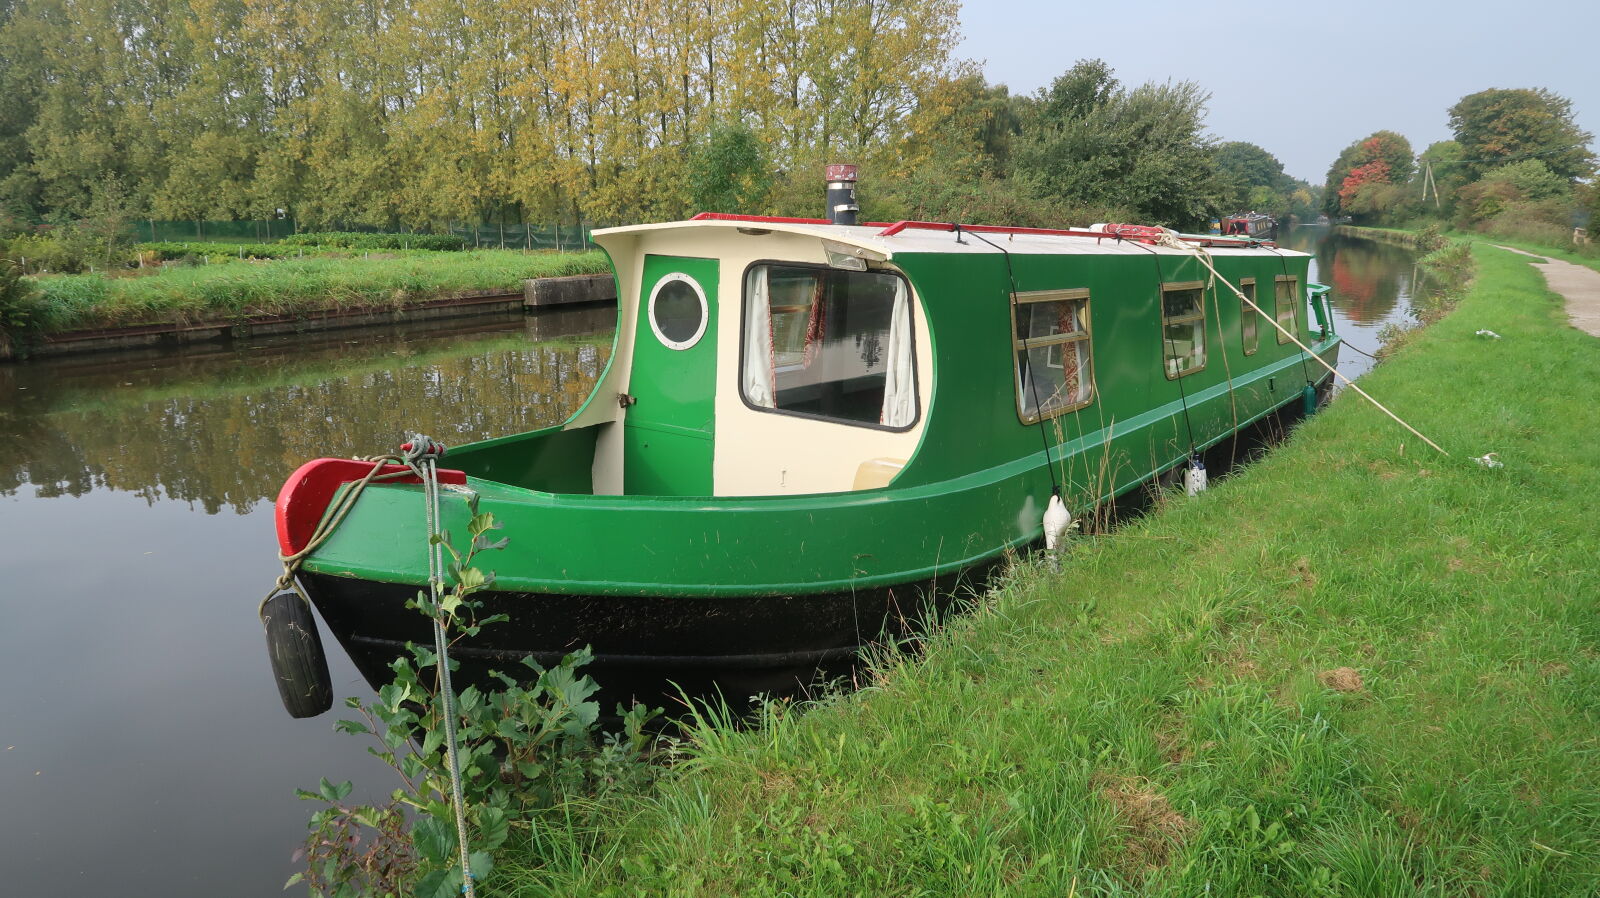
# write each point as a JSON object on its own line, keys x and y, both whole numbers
{"x": 19, "y": 300}
{"x": 57, "y": 251}
{"x": 349, "y": 240}
{"x": 521, "y": 750}
{"x": 171, "y": 250}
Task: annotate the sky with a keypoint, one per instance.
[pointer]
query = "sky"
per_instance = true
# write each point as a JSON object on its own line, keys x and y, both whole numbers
{"x": 1304, "y": 80}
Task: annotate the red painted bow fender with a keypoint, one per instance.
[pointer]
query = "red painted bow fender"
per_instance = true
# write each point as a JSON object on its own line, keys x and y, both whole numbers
{"x": 306, "y": 494}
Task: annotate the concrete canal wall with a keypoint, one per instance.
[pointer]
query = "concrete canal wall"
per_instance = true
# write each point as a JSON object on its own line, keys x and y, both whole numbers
{"x": 536, "y": 293}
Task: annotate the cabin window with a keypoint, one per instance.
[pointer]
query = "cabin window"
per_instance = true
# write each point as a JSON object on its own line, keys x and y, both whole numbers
{"x": 1055, "y": 373}
{"x": 1288, "y": 295}
{"x": 1249, "y": 318}
{"x": 678, "y": 311}
{"x": 830, "y": 344}
{"x": 1183, "y": 327}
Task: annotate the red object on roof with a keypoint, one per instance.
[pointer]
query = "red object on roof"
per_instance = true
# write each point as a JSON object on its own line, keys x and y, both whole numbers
{"x": 305, "y": 495}
{"x": 1134, "y": 232}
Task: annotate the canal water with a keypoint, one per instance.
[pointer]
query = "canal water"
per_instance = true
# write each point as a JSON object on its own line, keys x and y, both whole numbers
{"x": 143, "y": 749}
{"x": 1373, "y": 285}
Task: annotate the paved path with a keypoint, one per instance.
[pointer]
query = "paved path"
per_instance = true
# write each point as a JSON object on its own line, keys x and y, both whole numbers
{"x": 1578, "y": 284}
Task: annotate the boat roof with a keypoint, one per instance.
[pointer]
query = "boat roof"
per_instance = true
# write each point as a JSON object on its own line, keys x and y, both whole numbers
{"x": 887, "y": 240}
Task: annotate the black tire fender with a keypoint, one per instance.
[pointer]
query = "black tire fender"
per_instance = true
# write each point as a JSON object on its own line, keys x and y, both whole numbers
{"x": 295, "y": 647}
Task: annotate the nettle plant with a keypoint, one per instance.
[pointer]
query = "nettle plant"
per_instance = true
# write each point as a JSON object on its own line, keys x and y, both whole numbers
{"x": 524, "y": 746}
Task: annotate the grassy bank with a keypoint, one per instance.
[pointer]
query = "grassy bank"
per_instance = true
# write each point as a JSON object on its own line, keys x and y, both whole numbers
{"x": 1566, "y": 253}
{"x": 232, "y": 290}
{"x": 1357, "y": 668}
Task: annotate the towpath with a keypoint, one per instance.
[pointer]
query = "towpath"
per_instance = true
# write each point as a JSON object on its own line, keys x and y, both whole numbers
{"x": 1579, "y": 285}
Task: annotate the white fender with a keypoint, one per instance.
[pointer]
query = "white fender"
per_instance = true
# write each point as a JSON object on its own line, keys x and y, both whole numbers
{"x": 1056, "y": 521}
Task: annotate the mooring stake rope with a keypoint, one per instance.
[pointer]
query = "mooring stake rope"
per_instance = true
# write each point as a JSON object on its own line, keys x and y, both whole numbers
{"x": 422, "y": 456}
{"x": 1170, "y": 241}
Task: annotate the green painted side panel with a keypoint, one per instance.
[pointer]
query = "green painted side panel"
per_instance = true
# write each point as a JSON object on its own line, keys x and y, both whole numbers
{"x": 668, "y": 432}
{"x": 551, "y": 459}
{"x": 1137, "y": 424}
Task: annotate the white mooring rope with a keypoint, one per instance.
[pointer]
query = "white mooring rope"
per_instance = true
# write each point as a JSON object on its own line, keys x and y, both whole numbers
{"x": 1171, "y": 241}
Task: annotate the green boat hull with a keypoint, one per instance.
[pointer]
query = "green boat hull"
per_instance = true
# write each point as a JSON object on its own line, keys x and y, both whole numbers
{"x": 660, "y": 575}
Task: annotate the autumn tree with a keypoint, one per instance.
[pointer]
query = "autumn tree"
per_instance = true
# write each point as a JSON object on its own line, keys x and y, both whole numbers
{"x": 1498, "y": 126}
{"x": 420, "y": 113}
{"x": 1382, "y": 159}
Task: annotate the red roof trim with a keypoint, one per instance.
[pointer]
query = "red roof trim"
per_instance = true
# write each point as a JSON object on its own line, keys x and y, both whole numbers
{"x": 899, "y": 226}
{"x": 774, "y": 219}
{"x": 890, "y": 230}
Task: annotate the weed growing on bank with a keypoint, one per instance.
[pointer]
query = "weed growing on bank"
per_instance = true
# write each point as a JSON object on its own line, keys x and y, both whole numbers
{"x": 526, "y": 748}
{"x": 1448, "y": 267}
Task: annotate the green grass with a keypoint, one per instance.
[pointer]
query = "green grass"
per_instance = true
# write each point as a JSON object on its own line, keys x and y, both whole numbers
{"x": 1153, "y": 719}
{"x": 1564, "y": 253}
{"x": 233, "y": 290}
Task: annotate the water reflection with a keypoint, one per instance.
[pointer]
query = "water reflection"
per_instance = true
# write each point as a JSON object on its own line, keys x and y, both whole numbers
{"x": 1373, "y": 285}
{"x": 219, "y": 427}
{"x": 143, "y": 748}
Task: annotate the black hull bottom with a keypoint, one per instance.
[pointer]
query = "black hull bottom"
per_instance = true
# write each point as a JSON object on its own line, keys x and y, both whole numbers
{"x": 649, "y": 649}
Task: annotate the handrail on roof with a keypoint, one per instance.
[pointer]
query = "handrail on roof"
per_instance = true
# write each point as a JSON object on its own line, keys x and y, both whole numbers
{"x": 773, "y": 219}
{"x": 1135, "y": 233}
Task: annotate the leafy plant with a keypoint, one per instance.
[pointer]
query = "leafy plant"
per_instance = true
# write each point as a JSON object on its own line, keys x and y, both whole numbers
{"x": 17, "y": 298}
{"x": 522, "y": 747}
{"x": 352, "y": 240}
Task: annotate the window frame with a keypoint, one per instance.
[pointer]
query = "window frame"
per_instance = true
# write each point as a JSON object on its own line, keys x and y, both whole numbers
{"x": 1293, "y": 326}
{"x": 1174, "y": 287}
{"x": 1249, "y": 313}
{"x": 744, "y": 324}
{"x": 1020, "y": 347}
{"x": 705, "y": 311}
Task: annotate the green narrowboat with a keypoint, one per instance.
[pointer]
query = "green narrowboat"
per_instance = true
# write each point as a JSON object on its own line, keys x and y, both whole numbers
{"x": 805, "y": 425}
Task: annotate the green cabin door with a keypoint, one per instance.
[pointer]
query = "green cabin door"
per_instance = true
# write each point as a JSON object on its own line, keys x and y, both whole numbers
{"x": 668, "y": 430}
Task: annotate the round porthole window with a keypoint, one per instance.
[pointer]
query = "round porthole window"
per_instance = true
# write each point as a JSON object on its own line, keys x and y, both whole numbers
{"x": 678, "y": 311}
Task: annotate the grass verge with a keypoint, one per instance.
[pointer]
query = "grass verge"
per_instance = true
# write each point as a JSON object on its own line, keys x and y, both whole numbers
{"x": 233, "y": 290}
{"x": 1564, "y": 253}
{"x": 1357, "y": 668}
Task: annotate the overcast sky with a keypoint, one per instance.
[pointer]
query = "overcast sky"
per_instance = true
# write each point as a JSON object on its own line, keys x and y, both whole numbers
{"x": 1304, "y": 80}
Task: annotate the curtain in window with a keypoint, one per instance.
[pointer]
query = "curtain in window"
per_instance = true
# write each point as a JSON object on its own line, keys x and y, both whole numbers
{"x": 900, "y": 383}
{"x": 758, "y": 342}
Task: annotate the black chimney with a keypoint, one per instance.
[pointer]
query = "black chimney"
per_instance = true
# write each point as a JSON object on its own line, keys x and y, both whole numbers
{"x": 842, "y": 206}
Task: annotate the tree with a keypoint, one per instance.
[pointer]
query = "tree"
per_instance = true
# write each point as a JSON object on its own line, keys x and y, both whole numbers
{"x": 20, "y": 64}
{"x": 1251, "y": 178}
{"x": 1444, "y": 159}
{"x": 964, "y": 117}
{"x": 1382, "y": 157}
{"x": 1498, "y": 126}
{"x": 1087, "y": 143}
{"x": 1526, "y": 190}
{"x": 108, "y": 221}
{"x": 729, "y": 173}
